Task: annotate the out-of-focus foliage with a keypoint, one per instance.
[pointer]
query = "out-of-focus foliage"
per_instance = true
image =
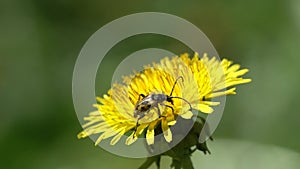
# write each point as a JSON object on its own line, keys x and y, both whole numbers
{"x": 40, "y": 41}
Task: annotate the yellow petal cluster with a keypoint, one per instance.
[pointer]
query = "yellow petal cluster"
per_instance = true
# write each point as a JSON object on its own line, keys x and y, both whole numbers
{"x": 203, "y": 79}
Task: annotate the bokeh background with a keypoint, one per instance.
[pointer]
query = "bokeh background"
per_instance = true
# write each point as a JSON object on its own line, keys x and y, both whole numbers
{"x": 39, "y": 44}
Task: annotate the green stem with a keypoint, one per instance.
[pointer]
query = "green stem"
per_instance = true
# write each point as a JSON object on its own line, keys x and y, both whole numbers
{"x": 149, "y": 162}
{"x": 187, "y": 163}
{"x": 176, "y": 164}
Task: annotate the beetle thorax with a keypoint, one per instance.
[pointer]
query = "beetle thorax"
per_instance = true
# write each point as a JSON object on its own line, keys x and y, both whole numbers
{"x": 159, "y": 97}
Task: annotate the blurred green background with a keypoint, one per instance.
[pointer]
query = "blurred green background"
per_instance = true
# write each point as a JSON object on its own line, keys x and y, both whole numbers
{"x": 40, "y": 41}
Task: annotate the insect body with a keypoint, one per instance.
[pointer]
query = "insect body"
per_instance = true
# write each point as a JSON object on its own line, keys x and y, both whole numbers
{"x": 151, "y": 101}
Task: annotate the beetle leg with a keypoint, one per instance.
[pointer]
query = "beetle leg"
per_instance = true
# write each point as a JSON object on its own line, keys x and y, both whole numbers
{"x": 141, "y": 95}
{"x": 137, "y": 122}
{"x": 170, "y": 108}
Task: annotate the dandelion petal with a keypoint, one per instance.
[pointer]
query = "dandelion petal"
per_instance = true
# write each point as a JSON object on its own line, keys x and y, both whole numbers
{"x": 187, "y": 115}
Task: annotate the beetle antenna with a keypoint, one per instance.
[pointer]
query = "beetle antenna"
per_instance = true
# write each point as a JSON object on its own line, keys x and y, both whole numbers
{"x": 175, "y": 97}
{"x": 180, "y": 77}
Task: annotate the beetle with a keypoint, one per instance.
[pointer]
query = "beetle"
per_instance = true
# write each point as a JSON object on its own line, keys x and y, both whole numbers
{"x": 153, "y": 100}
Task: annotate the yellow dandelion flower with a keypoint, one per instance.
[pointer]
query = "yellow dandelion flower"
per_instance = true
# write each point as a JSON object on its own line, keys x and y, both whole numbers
{"x": 203, "y": 79}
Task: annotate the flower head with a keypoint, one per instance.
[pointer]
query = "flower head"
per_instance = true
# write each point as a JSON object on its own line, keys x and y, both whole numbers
{"x": 203, "y": 79}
